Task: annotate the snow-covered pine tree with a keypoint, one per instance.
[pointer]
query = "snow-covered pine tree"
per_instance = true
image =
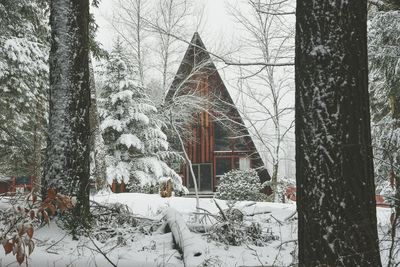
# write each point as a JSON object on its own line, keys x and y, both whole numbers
{"x": 24, "y": 48}
{"x": 384, "y": 63}
{"x": 384, "y": 66}
{"x": 136, "y": 147}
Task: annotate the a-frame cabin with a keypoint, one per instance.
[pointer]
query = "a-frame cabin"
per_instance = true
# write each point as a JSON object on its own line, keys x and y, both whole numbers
{"x": 219, "y": 142}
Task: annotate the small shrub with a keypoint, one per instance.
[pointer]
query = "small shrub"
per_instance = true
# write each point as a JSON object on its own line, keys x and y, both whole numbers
{"x": 136, "y": 187}
{"x": 239, "y": 185}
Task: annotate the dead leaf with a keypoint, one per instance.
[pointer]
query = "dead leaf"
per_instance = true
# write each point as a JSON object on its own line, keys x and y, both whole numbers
{"x": 20, "y": 257}
{"x": 29, "y": 231}
{"x": 31, "y": 247}
{"x": 46, "y": 217}
{"x": 32, "y": 214}
{"x": 51, "y": 193}
{"x": 8, "y": 247}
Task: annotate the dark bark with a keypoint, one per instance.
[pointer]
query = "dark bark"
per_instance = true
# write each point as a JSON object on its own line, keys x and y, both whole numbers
{"x": 67, "y": 155}
{"x": 334, "y": 169}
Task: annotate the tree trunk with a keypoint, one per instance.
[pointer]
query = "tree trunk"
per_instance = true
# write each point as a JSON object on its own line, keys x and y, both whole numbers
{"x": 96, "y": 140}
{"x": 38, "y": 133}
{"x": 334, "y": 169}
{"x": 67, "y": 155}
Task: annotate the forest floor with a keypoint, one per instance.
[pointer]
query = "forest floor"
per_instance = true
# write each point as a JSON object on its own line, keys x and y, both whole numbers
{"x": 138, "y": 243}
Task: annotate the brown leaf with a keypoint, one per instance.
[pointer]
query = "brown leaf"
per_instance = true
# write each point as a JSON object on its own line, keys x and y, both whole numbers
{"x": 32, "y": 214}
{"x": 52, "y": 209}
{"x": 31, "y": 246}
{"x": 29, "y": 231}
{"x": 8, "y": 247}
{"x": 21, "y": 229}
{"x": 51, "y": 193}
{"x": 46, "y": 217}
{"x": 20, "y": 257}
{"x": 62, "y": 207}
{"x": 34, "y": 198}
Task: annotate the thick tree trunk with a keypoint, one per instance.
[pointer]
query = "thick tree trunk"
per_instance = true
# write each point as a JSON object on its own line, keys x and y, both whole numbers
{"x": 334, "y": 170}
{"x": 67, "y": 155}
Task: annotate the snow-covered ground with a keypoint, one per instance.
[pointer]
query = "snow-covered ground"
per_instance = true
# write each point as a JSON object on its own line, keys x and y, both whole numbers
{"x": 55, "y": 248}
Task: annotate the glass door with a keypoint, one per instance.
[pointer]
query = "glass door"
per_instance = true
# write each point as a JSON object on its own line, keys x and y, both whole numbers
{"x": 203, "y": 174}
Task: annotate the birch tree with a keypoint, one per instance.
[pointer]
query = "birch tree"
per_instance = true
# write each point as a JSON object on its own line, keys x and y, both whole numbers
{"x": 334, "y": 168}
{"x": 67, "y": 155}
{"x": 131, "y": 25}
{"x": 269, "y": 37}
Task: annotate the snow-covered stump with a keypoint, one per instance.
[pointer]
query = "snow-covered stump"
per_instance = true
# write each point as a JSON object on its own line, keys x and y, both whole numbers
{"x": 191, "y": 246}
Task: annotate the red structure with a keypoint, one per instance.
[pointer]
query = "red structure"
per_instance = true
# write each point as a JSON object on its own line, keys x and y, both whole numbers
{"x": 118, "y": 187}
{"x": 219, "y": 140}
{"x": 20, "y": 184}
{"x": 291, "y": 194}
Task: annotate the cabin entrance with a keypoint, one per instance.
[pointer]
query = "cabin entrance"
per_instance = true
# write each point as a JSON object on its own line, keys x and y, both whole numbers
{"x": 203, "y": 174}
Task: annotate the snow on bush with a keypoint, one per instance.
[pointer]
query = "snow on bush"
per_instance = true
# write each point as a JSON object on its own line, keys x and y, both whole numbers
{"x": 239, "y": 185}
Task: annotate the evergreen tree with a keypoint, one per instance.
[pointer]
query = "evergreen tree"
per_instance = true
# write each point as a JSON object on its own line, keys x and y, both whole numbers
{"x": 137, "y": 149}
{"x": 384, "y": 54}
{"x": 384, "y": 61}
{"x": 334, "y": 168}
{"x": 24, "y": 80}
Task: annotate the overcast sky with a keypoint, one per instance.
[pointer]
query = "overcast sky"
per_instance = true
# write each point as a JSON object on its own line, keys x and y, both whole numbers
{"x": 216, "y": 20}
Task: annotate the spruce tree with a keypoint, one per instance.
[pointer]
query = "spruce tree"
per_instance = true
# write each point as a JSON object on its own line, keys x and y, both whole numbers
{"x": 137, "y": 149}
{"x": 384, "y": 54}
{"x": 24, "y": 47}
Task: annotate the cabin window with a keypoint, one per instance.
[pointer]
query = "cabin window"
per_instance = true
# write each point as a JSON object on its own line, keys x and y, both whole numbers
{"x": 222, "y": 140}
{"x": 223, "y": 165}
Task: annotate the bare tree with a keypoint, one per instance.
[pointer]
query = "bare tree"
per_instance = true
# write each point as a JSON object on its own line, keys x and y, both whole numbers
{"x": 131, "y": 25}
{"x": 170, "y": 16}
{"x": 265, "y": 91}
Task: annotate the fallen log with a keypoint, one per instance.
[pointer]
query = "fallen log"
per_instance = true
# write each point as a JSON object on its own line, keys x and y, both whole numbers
{"x": 192, "y": 247}
{"x": 199, "y": 227}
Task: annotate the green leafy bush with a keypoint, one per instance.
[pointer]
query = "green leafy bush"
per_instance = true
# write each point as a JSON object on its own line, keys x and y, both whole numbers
{"x": 240, "y": 185}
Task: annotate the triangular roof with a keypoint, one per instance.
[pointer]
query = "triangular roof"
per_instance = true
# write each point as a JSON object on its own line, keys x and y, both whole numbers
{"x": 198, "y": 59}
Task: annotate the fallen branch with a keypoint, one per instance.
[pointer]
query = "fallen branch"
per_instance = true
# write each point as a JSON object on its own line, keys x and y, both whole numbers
{"x": 102, "y": 253}
{"x": 47, "y": 249}
{"x": 199, "y": 228}
{"x": 221, "y": 210}
{"x": 279, "y": 221}
{"x": 190, "y": 246}
{"x": 256, "y": 213}
{"x": 290, "y": 216}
